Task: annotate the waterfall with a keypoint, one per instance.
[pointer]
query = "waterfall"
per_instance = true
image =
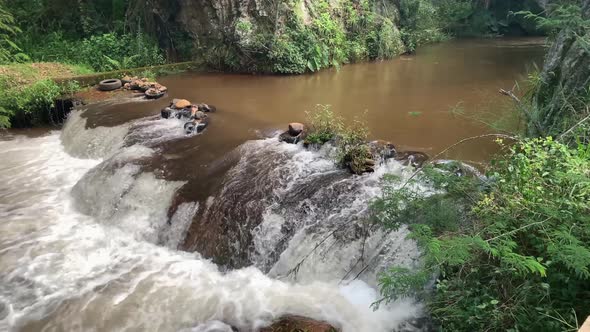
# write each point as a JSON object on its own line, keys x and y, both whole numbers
{"x": 88, "y": 243}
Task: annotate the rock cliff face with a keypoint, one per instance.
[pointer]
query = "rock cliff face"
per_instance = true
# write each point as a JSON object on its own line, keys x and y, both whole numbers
{"x": 281, "y": 36}
{"x": 565, "y": 80}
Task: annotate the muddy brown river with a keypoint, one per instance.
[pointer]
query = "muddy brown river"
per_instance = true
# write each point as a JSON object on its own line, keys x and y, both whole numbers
{"x": 407, "y": 101}
{"x": 118, "y": 221}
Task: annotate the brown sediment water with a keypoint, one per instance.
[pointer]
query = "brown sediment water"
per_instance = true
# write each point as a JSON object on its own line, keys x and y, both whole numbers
{"x": 407, "y": 100}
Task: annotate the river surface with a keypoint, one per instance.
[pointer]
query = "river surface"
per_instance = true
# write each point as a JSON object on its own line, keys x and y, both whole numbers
{"x": 118, "y": 221}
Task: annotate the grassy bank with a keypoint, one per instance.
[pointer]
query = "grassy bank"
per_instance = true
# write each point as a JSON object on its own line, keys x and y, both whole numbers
{"x": 28, "y": 91}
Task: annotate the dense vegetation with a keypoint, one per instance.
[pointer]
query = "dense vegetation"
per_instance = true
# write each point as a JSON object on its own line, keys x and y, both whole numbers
{"x": 355, "y": 30}
{"x": 97, "y": 34}
{"x": 510, "y": 251}
{"x": 113, "y": 34}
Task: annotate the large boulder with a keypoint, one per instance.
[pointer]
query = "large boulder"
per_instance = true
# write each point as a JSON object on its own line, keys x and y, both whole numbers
{"x": 297, "y": 323}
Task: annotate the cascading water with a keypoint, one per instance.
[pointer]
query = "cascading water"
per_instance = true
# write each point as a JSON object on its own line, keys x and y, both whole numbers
{"x": 302, "y": 217}
{"x": 87, "y": 244}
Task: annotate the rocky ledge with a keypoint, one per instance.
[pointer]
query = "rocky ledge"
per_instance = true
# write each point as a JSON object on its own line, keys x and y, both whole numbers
{"x": 372, "y": 153}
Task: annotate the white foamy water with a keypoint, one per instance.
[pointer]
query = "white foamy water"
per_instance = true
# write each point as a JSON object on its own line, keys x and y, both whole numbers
{"x": 62, "y": 270}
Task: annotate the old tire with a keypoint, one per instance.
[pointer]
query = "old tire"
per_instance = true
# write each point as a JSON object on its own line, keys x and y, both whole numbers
{"x": 153, "y": 94}
{"x": 109, "y": 85}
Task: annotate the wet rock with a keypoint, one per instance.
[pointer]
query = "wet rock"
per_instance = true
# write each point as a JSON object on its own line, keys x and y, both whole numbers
{"x": 383, "y": 149}
{"x": 200, "y": 115}
{"x": 182, "y": 103}
{"x": 206, "y": 108}
{"x": 288, "y": 138}
{"x": 297, "y": 323}
{"x": 295, "y": 128}
{"x": 414, "y": 158}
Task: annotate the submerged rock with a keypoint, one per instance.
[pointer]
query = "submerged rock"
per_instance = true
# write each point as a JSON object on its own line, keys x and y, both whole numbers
{"x": 297, "y": 323}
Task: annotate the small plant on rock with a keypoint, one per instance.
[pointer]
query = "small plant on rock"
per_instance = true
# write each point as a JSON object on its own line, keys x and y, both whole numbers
{"x": 353, "y": 150}
{"x": 325, "y": 125}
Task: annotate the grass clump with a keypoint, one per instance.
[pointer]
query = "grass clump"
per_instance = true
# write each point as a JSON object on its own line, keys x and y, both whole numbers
{"x": 325, "y": 125}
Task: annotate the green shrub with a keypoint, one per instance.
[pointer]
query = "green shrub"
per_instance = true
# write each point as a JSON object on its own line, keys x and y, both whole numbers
{"x": 286, "y": 57}
{"x": 353, "y": 150}
{"x": 28, "y": 102}
{"x": 511, "y": 254}
{"x": 455, "y": 15}
{"x": 104, "y": 52}
{"x": 419, "y": 23}
{"x": 324, "y": 125}
{"x": 114, "y": 52}
{"x": 385, "y": 40}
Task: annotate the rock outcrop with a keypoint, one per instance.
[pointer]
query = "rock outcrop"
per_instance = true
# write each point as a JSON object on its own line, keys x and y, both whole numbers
{"x": 564, "y": 81}
{"x": 268, "y": 36}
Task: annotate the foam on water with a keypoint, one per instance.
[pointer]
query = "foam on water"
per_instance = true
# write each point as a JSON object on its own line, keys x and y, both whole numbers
{"x": 61, "y": 269}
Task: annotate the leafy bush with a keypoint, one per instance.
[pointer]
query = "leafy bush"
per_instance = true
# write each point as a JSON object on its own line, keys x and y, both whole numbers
{"x": 104, "y": 52}
{"x": 454, "y": 15}
{"x": 353, "y": 150}
{"x": 287, "y": 57}
{"x": 28, "y": 102}
{"x": 511, "y": 254}
{"x": 419, "y": 23}
{"x": 114, "y": 52}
